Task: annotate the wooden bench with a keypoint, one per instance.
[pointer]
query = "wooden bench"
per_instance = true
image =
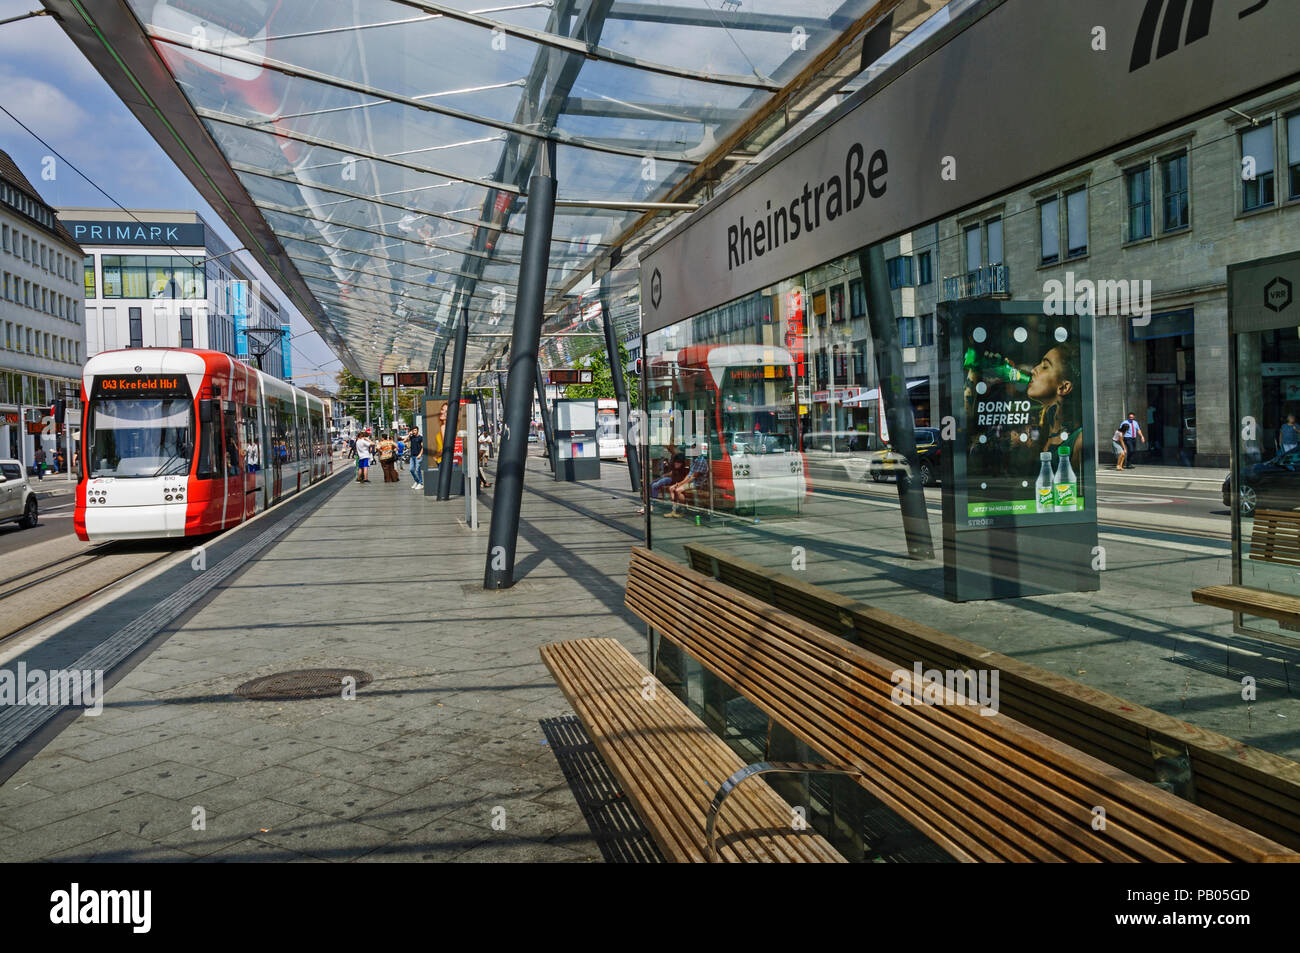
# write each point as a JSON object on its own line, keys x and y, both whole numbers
{"x": 1274, "y": 538}
{"x": 670, "y": 765}
{"x": 1256, "y": 789}
{"x": 982, "y": 786}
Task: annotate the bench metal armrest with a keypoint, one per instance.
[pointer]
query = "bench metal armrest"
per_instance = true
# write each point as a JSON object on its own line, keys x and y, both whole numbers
{"x": 753, "y": 770}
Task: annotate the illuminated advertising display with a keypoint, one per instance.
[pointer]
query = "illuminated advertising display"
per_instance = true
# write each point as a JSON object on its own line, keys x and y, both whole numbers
{"x": 1022, "y": 421}
{"x": 1019, "y": 487}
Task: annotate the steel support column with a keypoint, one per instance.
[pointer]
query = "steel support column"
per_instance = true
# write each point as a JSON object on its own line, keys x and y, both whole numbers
{"x": 620, "y": 385}
{"x": 892, "y": 376}
{"x": 442, "y": 366}
{"x": 546, "y": 420}
{"x": 453, "y": 407}
{"x": 499, "y": 572}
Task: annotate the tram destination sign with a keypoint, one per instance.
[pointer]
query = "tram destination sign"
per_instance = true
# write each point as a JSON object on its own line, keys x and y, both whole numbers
{"x": 139, "y": 386}
{"x": 1043, "y": 87}
{"x": 413, "y": 379}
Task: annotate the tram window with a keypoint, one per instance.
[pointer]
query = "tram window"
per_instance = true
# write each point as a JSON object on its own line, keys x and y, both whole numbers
{"x": 252, "y": 457}
{"x": 230, "y": 436}
{"x": 206, "y": 468}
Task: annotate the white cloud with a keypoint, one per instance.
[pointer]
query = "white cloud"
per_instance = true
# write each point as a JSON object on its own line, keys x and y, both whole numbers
{"x": 49, "y": 111}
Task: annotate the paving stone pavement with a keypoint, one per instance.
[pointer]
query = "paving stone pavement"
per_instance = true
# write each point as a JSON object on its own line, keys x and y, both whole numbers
{"x": 437, "y": 754}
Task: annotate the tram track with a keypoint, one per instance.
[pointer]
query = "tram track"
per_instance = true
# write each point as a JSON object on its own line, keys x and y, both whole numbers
{"x": 53, "y": 568}
{"x": 54, "y": 586}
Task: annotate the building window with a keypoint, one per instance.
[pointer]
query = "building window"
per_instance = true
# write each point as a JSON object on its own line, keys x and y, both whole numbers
{"x": 135, "y": 325}
{"x": 1257, "y": 151}
{"x": 857, "y": 300}
{"x": 974, "y": 252}
{"x": 1076, "y": 222}
{"x": 1049, "y": 213}
{"x": 27, "y": 251}
{"x": 837, "y": 304}
{"x": 860, "y": 364}
{"x": 187, "y": 327}
{"x": 927, "y": 330}
{"x": 907, "y": 332}
{"x": 924, "y": 268}
{"x": 993, "y": 228}
{"x": 900, "y": 271}
{"x": 1138, "y": 186}
{"x": 1173, "y": 183}
{"x": 88, "y": 276}
{"x": 4, "y": 231}
{"x": 1293, "y": 154}
{"x": 841, "y": 358}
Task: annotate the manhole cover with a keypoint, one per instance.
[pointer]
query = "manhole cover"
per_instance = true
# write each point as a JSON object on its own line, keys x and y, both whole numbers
{"x": 305, "y": 683}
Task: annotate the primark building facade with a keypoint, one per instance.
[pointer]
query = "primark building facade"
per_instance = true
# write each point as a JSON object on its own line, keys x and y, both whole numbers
{"x": 890, "y": 360}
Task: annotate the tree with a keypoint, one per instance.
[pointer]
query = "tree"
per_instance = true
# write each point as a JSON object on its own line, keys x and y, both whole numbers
{"x": 602, "y": 380}
{"x": 352, "y": 396}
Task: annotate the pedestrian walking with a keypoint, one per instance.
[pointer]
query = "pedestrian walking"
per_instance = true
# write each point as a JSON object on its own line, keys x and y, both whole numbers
{"x": 1132, "y": 432}
{"x": 417, "y": 458}
{"x": 364, "y": 448}
{"x": 1290, "y": 436}
{"x": 40, "y": 462}
{"x": 387, "y": 449}
{"x": 484, "y": 444}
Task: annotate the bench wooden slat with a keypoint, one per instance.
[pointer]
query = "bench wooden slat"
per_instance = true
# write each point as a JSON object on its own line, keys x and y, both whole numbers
{"x": 1252, "y": 601}
{"x": 1001, "y": 791}
{"x": 706, "y": 763}
{"x": 685, "y": 756}
{"x": 1115, "y": 730}
{"x": 1136, "y": 812}
{"x": 669, "y": 763}
{"x": 647, "y": 773}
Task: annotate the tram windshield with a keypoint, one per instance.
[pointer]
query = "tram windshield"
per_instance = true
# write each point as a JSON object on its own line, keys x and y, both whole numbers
{"x": 140, "y": 438}
{"x": 758, "y": 411}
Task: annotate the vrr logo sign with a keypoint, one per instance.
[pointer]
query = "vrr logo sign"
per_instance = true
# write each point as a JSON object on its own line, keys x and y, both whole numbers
{"x": 1277, "y": 294}
{"x": 656, "y": 288}
{"x": 1168, "y": 15}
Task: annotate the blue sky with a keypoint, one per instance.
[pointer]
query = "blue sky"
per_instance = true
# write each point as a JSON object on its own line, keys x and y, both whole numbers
{"x": 48, "y": 85}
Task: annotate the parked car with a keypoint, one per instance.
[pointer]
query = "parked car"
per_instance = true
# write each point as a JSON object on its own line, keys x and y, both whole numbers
{"x": 887, "y": 463}
{"x": 17, "y": 499}
{"x": 840, "y": 453}
{"x": 1271, "y": 484}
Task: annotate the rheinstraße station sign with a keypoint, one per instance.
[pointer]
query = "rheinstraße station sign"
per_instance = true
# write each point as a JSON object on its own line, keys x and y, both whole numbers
{"x": 1005, "y": 95}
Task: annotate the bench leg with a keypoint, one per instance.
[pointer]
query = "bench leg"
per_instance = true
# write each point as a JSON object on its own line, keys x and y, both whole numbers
{"x": 753, "y": 770}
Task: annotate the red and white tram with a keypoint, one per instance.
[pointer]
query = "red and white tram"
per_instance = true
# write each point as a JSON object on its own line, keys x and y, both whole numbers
{"x": 735, "y": 403}
{"x": 180, "y": 442}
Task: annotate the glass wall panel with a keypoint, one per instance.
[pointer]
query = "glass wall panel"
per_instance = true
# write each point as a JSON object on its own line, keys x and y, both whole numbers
{"x": 766, "y": 443}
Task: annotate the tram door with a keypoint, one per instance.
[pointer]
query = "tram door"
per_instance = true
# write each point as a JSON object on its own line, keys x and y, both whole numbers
{"x": 253, "y": 483}
{"x": 234, "y": 464}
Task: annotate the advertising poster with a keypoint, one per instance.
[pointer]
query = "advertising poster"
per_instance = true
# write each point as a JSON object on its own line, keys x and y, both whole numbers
{"x": 1024, "y": 393}
{"x": 433, "y": 430}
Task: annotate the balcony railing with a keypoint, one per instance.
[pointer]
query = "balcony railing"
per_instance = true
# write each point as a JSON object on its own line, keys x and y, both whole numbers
{"x": 987, "y": 281}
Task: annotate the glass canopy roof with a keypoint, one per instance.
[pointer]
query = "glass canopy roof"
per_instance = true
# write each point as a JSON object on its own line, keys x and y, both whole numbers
{"x": 386, "y": 145}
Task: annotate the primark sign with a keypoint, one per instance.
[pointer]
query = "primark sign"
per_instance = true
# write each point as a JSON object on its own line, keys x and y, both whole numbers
{"x": 166, "y": 234}
{"x": 1011, "y": 92}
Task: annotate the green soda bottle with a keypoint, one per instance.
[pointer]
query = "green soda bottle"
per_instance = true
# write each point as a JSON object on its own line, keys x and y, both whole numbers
{"x": 1067, "y": 484}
